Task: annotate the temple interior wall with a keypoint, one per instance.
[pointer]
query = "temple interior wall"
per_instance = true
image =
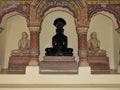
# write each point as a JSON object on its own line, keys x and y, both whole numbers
{"x": 102, "y": 24}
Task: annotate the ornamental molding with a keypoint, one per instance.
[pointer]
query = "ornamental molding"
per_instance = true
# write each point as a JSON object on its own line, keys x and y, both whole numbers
{"x": 34, "y": 29}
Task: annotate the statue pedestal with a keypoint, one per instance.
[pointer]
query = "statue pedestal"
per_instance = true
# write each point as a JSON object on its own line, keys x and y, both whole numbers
{"x": 18, "y": 63}
{"x": 98, "y": 63}
{"x": 58, "y": 64}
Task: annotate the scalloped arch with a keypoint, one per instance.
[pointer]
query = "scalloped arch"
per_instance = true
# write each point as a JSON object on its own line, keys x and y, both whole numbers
{"x": 69, "y": 6}
{"x": 4, "y": 15}
{"x": 111, "y": 12}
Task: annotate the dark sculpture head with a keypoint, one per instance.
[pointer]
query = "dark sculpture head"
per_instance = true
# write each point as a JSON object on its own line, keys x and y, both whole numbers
{"x": 59, "y": 23}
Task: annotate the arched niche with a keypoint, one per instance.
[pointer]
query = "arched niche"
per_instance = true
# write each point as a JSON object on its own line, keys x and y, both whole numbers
{"x": 48, "y": 30}
{"x": 14, "y": 26}
{"x": 105, "y": 24}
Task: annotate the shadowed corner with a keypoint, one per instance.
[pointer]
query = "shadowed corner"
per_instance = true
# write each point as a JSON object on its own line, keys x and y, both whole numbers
{"x": 1, "y": 29}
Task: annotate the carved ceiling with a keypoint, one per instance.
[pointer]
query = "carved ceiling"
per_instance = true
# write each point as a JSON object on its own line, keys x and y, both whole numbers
{"x": 35, "y": 10}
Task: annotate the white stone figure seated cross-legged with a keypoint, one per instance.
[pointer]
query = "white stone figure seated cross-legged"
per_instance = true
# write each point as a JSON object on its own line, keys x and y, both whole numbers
{"x": 94, "y": 46}
{"x": 23, "y": 46}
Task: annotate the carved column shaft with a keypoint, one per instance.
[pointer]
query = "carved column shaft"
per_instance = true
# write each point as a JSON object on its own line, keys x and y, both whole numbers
{"x": 82, "y": 45}
{"x": 34, "y": 43}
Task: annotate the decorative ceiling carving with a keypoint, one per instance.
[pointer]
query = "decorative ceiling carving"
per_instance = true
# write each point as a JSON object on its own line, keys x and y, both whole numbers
{"x": 34, "y": 10}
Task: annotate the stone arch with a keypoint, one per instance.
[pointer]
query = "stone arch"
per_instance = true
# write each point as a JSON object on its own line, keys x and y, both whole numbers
{"x": 6, "y": 14}
{"x": 108, "y": 12}
{"x": 68, "y": 6}
{"x": 50, "y": 10}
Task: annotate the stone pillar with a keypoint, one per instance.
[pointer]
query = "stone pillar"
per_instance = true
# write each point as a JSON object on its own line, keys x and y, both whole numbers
{"x": 34, "y": 45}
{"x": 82, "y": 45}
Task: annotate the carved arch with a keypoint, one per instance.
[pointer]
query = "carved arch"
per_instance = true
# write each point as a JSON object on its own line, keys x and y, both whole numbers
{"x": 69, "y": 5}
{"x": 5, "y": 14}
{"x": 112, "y": 12}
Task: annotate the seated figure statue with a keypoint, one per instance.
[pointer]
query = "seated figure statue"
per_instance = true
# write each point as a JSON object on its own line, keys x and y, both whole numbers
{"x": 23, "y": 46}
{"x": 59, "y": 41}
{"x": 94, "y": 46}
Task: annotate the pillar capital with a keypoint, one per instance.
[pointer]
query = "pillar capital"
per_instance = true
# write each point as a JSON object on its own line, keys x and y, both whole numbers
{"x": 34, "y": 28}
{"x": 82, "y": 29}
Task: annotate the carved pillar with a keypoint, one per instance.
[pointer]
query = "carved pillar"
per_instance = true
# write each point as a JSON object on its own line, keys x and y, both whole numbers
{"x": 34, "y": 45}
{"x": 82, "y": 25}
{"x": 82, "y": 45}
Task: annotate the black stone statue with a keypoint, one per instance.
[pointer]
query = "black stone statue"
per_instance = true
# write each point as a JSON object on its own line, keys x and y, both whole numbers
{"x": 59, "y": 41}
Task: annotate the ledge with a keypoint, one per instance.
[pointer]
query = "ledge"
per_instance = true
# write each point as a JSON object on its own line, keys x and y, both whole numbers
{"x": 32, "y": 78}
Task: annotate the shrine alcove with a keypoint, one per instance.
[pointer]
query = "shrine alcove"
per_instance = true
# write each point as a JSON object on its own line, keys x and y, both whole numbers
{"x": 104, "y": 24}
{"x": 10, "y": 36}
{"x": 48, "y": 30}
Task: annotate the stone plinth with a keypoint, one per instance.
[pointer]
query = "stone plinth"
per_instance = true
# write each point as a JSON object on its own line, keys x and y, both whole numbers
{"x": 59, "y": 58}
{"x": 98, "y": 63}
{"x": 18, "y": 63}
{"x": 58, "y": 64}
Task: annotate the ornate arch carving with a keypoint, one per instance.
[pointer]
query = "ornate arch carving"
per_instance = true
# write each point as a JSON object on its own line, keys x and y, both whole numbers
{"x": 71, "y": 5}
{"x": 13, "y": 9}
{"x": 114, "y": 10}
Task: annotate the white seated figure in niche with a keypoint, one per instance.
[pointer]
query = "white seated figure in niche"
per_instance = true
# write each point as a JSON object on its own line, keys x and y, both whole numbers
{"x": 23, "y": 45}
{"x": 94, "y": 46}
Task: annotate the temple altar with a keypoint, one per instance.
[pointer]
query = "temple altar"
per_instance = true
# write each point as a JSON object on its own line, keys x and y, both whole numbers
{"x": 59, "y": 58}
{"x": 96, "y": 67}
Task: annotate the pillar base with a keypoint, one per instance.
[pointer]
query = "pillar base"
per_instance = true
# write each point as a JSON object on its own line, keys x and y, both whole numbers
{"x": 30, "y": 70}
{"x": 33, "y": 63}
{"x": 84, "y": 63}
{"x": 85, "y": 70}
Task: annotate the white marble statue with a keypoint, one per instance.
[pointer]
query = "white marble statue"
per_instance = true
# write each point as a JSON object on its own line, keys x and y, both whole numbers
{"x": 23, "y": 45}
{"x": 94, "y": 45}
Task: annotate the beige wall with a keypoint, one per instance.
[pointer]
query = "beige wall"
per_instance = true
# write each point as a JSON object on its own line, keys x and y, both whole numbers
{"x": 49, "y": 30}
{"x": 116, "y": 38}
{"x": 14, "y": 27}
{"x": 2, "y": 47}
{"x": 109, "y": 38}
